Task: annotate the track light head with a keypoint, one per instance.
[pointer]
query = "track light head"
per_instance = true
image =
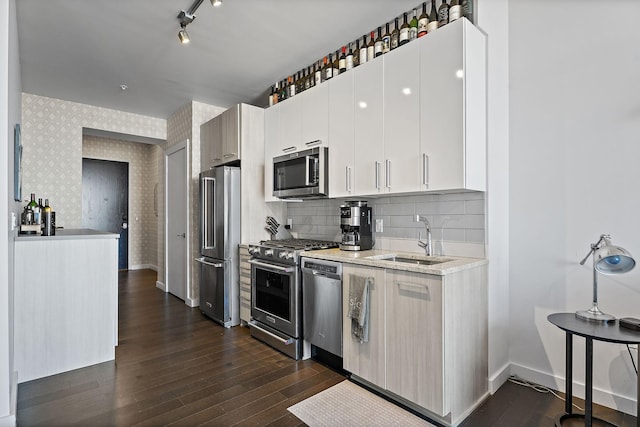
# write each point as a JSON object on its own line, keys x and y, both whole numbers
{"x": 183, "y": 36}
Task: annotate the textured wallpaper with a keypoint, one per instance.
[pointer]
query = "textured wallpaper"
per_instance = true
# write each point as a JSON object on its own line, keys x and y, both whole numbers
{"x": 184, "y": 125}
{"x": 143, "y": 174}
{"x": 52, "y": 148}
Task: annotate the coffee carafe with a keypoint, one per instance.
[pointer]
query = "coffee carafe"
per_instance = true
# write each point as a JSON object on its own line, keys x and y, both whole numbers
{"x": 355, "y": 223}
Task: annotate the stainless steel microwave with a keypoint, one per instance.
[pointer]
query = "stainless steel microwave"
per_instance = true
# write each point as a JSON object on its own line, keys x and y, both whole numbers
{"x": 302, "y": 174}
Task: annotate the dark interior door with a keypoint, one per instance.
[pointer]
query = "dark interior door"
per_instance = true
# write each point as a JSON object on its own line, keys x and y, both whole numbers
{"x": 105, "y": 197}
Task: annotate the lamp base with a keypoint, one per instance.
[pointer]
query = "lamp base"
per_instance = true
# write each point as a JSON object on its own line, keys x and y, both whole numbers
{"x": 594, "y": 314}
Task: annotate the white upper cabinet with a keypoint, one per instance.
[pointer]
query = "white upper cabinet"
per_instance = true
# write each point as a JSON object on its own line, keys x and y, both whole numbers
{"x": 402, "y": 119}
{"x": 368, "y": 137}
{"x": 315, "y": 116}
{"x": 271, "y": 148}
{"x": 341, "y": 152}
{"x": 453, "y": 108}
{"x": 290, "y": 126}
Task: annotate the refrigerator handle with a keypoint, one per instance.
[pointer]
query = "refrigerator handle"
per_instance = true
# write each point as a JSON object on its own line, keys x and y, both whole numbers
{"x": 212, "y": 264}
{"x": 205, "y": 219}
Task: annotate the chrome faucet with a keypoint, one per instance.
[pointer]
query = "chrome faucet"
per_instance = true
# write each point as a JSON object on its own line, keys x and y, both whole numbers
{"x": 425, "y": 245}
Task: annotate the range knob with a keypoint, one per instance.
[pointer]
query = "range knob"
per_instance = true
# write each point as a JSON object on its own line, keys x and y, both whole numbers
{"x": 254, "y": 250}
{"x": 268, "y": 252}
{"x": 284, "y": 255}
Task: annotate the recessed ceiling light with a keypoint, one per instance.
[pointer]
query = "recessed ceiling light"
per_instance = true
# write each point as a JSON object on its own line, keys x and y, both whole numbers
{"x": 124, "y": 87}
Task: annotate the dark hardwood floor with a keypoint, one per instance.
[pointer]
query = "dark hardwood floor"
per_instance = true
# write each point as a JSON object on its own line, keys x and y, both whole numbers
{"x": 175, "y": 367}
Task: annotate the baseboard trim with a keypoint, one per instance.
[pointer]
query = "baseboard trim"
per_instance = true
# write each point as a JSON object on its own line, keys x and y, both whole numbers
{"x": 162, "y": 286}
{"x": 499, "y": 378}
{"x": 192, "y": 302}
{"x": 144, "y": 267}
{"x": 601, "y": 397}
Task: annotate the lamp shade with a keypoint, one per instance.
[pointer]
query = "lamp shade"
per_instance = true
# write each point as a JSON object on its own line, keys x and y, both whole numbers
{"x": 612, "y": 259}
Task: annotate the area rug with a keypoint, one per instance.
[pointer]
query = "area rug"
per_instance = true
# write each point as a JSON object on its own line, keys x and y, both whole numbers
{"x": 347, "y": 404}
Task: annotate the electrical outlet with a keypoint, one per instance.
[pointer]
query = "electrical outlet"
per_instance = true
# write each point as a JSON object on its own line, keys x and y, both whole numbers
{"x": 379, "y": 225}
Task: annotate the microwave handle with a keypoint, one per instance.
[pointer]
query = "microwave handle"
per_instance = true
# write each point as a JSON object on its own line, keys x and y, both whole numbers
{"x": 309, "y": 168}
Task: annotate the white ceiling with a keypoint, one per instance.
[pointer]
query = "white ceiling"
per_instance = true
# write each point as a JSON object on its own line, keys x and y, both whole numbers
{"x": 83, "y": 50}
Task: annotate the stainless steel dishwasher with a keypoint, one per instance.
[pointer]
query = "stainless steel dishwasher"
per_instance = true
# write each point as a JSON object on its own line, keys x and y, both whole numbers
{"x": 322, "y": 309}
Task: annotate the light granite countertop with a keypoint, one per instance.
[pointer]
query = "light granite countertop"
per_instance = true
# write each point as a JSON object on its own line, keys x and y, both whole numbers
{"x": 384, "y": 259}
{"x": 68, "y": 234}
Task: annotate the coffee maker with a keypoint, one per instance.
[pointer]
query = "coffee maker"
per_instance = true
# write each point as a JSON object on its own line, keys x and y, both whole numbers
{"x": 355, "y": 223}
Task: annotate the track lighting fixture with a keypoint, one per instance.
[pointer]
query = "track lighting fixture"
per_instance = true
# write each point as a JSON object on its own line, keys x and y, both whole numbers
{"x": 187, "y": 17}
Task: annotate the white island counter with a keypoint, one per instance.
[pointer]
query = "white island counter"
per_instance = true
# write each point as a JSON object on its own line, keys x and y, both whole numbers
{"x": 66, "y": 301}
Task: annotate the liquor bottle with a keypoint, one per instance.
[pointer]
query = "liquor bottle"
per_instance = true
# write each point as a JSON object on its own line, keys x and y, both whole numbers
{"x": 386, "y": 40}
{"x": 311, "y": 77}
{"x": 377, "y": 47}
{"x": 328, "y": 68}
{"x": 395, "y": 35}
{"x": 371, "y": 49}
{"x": 40, "y": 208}
{"x": 404, "y": 32}
{"x": 433, "y": 18}
{"x": 350, "y": 59}
{"x": 336, "y": 64}
{"x": 342, "y": 60}
{"x": 47, "y": 220}
{"x": 362, "y": 55}
{"x": 443, "y": 14}
{"x": 413, "y": 27}
{"x": 455, "y": 10}
{"x": 423, "y": 21}
{"x": 318, "y": 73}
{"x": 467, "y": 9}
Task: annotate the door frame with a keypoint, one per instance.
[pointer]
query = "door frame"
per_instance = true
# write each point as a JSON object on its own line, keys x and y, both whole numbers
{"x": 189, "y": 299}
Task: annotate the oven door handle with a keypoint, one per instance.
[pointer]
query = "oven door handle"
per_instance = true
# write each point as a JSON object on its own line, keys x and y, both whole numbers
{"x": 272, "y": 267}
{"x": 253, "y": 324}
{"x": 212, "y": 264}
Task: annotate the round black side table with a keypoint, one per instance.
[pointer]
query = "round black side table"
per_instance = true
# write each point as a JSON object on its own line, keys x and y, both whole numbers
{"x": 590, "y": 330}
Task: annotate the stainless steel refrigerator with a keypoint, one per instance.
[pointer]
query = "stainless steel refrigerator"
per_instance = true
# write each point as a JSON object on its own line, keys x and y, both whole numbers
{"x": 219, "y": 239}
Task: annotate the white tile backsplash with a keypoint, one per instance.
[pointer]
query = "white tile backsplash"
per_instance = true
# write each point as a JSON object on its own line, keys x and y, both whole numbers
{"x": 457, "y": 221}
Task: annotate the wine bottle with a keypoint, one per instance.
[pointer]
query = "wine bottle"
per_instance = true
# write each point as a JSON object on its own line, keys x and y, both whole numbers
{"x": 35, "y": 208}
{"x": 413, "y": 27}
{"x": 336, "y": 64}
{"x": 350, "y": 58}
{"x": 342, "y": 60}
{"x": 467, "y": 9}
{"x": 311, "y": 76}
{"x": 327, "y": 70}
{"x": 318, "y": 73}
{"x": 433, "y": 18}
{"x": 455, "y": 10}
{"x": 386, "y": 40}
{"x": 395, "y": 35}
{"x": 273, "y": 88}
{"x": 291, "y": 87}
{"x": 283, "y": 90}
{"x": 356, "y": 54}
{"x": 443, "y": 14}
{"x": 362, "y": 51}
{"x": 423, "y": 21}
{"x": 47, "y": 220}
{"x": 404, "y": 32}
{"x": 371, "y": 50}
{"x": 378, "y": 43}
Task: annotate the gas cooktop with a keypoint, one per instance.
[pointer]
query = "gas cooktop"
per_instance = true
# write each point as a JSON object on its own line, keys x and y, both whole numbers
{"x": 299, "y": 244}
{"x": 287, "y": 251}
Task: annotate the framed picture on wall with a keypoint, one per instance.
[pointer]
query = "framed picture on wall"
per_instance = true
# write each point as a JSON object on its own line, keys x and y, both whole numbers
{"x": 17, "y": 161}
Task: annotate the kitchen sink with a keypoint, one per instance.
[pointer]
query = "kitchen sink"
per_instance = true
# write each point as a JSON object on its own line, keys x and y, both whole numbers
{"x": 418, "y": 261}
{"x": 407, "y": 260}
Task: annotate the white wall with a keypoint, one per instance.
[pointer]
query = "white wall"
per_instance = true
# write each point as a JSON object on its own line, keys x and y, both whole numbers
{"x": 493, "y": 19}
{"x": 574, "y": 174}
{"x": 9, "y": 116}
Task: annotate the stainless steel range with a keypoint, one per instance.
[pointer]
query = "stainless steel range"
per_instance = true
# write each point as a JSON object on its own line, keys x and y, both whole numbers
{"x": 276, "y": 303}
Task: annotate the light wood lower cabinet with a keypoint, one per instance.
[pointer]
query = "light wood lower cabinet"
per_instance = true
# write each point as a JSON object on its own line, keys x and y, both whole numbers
{"x": 427, "y": 340}
{"x": 366, "y": 360}
{"x": 414, "y": 345}
{"x": 245, "y": 285}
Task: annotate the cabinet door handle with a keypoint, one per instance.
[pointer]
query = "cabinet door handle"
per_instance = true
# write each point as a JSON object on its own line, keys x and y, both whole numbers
{"x": 312, "y": 143}
{"x": 377, "y": 175}
{"x": 346, "y": 181}
{"x": 217, "y": 159}
{"x": 230, "y": 155}
{"x": 425, "y": 169}
{"x": 414, "y": 286}
{"x": 388, "y": 172}
{"x": 289, "y": 148}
